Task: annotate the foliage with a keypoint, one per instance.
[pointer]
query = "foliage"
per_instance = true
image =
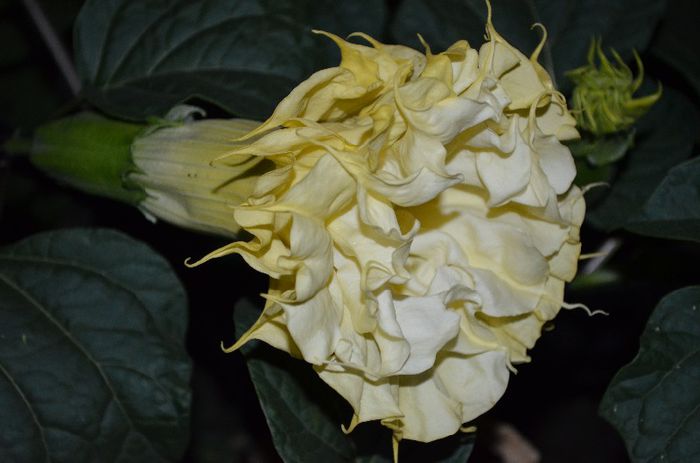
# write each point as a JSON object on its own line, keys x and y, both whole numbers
{"x": 139, "y": 59}
{"x": 654, "y": 400}
{"x": 664, "y": 139}
{"x": 92, "y": 360}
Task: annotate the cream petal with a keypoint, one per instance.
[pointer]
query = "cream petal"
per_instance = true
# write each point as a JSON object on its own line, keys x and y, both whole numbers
{"x": 478, "y": 386}
{"x": 370, "y": 399}
{"x": 556, "y": 120}
{"x": 505, "y": 176}
{"x": 498, "y": 246}
{"x": 500, "y": 299}
{"x": 430, "y": 106}
{"x": 270, "y": 328}
{"x": 556, "y": 163}
{"x": 417, "y": 189}
{"x": 465, "y": 68}
{"x": 294, "y": 104}
{"x": 428, "y": 413}
{"x": 348, "y": 279}
{"x": 564, "y": 263}
{"x": 314, "y": 325}
{"x": 327, "y": 175}
{"x": 427, "y": 325}
{"x": 310, "y": 255}
{"x": 435, "y": 405}
{"x": 391, "y": 340}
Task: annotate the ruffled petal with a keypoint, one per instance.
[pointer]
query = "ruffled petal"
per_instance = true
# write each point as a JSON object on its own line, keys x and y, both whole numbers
{"x": 418, "y": 226}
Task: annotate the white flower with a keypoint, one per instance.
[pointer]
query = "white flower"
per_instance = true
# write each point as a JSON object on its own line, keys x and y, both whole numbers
{"x": 418, "y": 227}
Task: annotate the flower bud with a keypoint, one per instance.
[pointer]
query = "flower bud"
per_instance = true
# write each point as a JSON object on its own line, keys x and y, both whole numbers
{"x": 603, "y": 98}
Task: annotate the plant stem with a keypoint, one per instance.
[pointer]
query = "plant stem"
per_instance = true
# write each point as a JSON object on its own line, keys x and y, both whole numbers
{"x": 53, "y": 42}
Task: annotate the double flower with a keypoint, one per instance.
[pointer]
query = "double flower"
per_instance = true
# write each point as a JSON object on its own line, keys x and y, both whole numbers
{"x": 418, "y": 225}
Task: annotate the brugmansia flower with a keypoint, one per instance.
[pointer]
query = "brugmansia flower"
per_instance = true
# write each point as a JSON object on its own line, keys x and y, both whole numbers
{"x": 603, "y": 98}
{"x": 418, "y": 226}
{"x": 163, "y": 168}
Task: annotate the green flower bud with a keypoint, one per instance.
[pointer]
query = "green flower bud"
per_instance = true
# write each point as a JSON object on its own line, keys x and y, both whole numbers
{"x": 603, "y": 99}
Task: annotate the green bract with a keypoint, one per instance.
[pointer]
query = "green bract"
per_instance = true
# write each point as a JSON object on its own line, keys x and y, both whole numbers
{"x": 603, "y": 99}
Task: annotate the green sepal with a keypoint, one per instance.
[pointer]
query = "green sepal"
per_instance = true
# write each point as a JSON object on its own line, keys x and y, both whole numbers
{"x": 603, "y": 150}
{"x": 91, "y": 153}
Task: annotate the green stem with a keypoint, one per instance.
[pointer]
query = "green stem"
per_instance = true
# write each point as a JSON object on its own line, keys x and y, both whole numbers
{"x": 17, "y": 146}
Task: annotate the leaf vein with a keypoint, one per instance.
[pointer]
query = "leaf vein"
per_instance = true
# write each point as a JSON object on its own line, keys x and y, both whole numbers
{"x": 32, "y": 412}
{"x": 176, "y": 46}
{"x": 101, "y": 274}
{"x": 107, "y": 35}
{"x": 685, "y": 418}
{"x": 43, "y": 311}
{"x": 137, "y": 40}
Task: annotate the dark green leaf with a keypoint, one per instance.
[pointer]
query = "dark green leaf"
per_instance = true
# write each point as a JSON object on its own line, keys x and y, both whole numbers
{"x": 654, "y": 402}
{"x": 571, "y": 24}
{"x": 587, "y": 174}
{"x": 673, "y": 210}
{"x": 138, "y": 59}
{"x": 92, "y": 358}
{"x": 302, "y": 423}
{"x": 664, "y": 138}
{"x": 675, "y": 39}
{"x": 305, "y": 415}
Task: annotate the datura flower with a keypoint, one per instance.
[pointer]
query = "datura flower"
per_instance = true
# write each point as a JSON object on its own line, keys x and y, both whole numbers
{"x": 418, "y": 227}
{"x": 603, "y": 98}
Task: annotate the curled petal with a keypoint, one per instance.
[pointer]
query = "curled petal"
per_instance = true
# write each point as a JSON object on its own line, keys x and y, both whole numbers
{"x": 417, "y": 227}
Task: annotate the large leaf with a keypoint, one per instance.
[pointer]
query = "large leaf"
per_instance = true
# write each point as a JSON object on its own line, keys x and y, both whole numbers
{"x": 654, "y": 402}
{"x": 673, "y": 210}
{"x": 140, "y": 58}
{"x": 571, "y": 24}
{"x": 664, "y": 139}
{"x": 305, "y": 415}
{"x": 92, "y": 358}
{"x": 675, "y": 39}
